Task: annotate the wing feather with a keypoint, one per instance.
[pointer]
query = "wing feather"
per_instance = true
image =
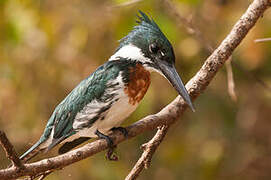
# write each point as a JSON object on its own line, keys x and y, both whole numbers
{"x": 90, "y": 92}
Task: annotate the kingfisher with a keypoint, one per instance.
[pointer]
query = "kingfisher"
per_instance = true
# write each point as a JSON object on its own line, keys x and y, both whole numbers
{"x": 102, "y": 101}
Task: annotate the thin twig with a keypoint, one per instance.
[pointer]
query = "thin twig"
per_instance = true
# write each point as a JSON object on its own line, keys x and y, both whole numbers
{"x": 44, "y": 175}
{"x": 231, "y": 85}
{"x": 262, "y": 40}
{"x": 149, "y": 149}
{"x": 167, "y": 115}
{"x": 10, "y": 152}
{"x": 127, "y": 3}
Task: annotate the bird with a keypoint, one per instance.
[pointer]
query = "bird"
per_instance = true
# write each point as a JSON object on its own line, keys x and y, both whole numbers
{"x": 103, "y": 100}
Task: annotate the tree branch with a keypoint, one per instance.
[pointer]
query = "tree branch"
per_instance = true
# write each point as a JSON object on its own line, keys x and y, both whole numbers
{"x": 149, "y": 149}
{"x": 168, "y": 115}
{"x": 10, "y": 152}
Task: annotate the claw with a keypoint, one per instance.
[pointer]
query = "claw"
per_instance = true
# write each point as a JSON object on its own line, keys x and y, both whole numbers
{"x": 110, "y": 155}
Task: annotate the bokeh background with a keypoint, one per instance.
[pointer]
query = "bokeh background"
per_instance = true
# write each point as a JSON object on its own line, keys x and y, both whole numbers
{"x": 47, "y": 47}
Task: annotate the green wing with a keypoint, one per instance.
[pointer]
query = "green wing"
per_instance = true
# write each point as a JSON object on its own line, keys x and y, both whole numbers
{"x": 88, "y": 90}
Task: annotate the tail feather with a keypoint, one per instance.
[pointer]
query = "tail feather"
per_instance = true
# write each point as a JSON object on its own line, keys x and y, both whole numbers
{"x": 32, "y": 152}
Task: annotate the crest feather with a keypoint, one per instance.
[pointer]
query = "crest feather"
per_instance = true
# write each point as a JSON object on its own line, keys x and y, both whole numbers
{"x": 145, "y": 21}
{"x": 145, "y": 24}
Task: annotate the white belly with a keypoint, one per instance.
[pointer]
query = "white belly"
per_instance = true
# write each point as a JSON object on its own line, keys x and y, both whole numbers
{"x": 115, "y": 116}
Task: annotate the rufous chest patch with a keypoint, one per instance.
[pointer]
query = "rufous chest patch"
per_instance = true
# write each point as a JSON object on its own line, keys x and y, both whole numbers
{"x": 139, "y": 81}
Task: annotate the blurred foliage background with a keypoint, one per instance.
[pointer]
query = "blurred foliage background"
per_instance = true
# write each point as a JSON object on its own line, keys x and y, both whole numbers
{"x": 47, "y": 47}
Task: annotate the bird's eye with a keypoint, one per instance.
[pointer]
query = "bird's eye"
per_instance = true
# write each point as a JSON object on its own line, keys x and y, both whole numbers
{"x": 154, "y": 48}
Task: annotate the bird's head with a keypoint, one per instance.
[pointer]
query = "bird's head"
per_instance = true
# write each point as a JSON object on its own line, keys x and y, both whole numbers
{"x": 147, "y": 44}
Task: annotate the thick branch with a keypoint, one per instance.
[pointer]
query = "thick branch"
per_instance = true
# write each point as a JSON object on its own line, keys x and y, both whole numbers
{"x": 167, "y": 115}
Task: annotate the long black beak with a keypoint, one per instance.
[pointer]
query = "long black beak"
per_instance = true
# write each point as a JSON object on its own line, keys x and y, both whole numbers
{"x": 171, "y": 74}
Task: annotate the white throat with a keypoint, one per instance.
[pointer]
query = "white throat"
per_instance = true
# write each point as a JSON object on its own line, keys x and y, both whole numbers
{"x": 134, "y": 53}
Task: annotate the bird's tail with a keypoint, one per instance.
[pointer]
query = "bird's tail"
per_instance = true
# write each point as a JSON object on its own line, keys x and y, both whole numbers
{"x": 33, "y": 151}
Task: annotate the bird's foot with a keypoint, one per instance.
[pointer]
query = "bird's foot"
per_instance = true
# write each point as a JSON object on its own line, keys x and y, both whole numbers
{"x": 110, "y": 155}
{"x": 122, "y": 130}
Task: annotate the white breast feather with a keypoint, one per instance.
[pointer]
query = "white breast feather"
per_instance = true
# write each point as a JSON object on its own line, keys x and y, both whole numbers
{"x": 114, "y": 116}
